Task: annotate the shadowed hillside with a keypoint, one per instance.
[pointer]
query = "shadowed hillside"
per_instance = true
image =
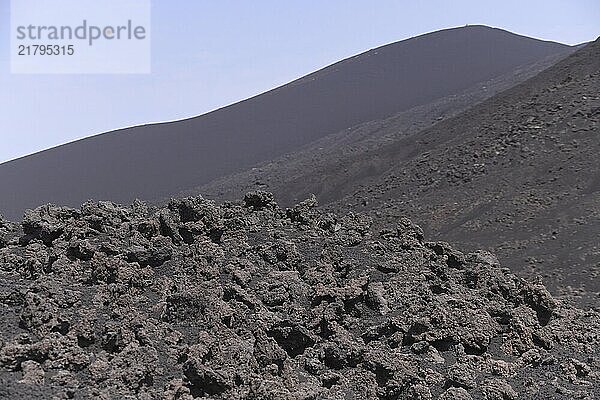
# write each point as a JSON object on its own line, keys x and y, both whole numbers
{"x": 154, "y": 161}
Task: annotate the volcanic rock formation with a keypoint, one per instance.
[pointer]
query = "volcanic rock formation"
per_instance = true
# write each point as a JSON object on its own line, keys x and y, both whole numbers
{"x": 246, "y": 300}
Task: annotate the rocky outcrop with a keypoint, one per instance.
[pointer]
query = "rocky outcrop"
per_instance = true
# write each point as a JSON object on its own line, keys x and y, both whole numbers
{"x": 249, "y": 301}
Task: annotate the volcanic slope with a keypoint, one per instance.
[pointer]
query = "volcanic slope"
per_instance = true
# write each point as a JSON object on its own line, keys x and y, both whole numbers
{"x": 517, "y": 174}
{"x": 246, "y": 300}
{"x": 331, "y": 166}
{"x": 154, "y": 161}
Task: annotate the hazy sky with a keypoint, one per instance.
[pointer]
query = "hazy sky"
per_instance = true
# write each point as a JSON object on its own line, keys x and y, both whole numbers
{"x": 207, "y": 54}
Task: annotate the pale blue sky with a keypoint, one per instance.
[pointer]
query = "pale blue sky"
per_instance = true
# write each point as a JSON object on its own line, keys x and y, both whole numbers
{"x": 207, "y": 54}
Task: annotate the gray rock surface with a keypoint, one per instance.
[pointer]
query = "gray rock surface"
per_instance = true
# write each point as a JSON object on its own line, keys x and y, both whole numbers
{"x": 246, "y": 300}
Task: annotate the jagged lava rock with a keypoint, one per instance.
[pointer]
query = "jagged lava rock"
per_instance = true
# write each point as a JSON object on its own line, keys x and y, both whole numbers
{"x": 245, "y": 300}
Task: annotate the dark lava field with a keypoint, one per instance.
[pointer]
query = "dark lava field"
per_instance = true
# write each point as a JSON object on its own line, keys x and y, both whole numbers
{"x": 395, "y": 245}
{"x": 246, "y": 300}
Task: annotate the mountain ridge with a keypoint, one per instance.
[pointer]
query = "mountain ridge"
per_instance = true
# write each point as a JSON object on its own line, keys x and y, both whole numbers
{"x": 153, "y": 161}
